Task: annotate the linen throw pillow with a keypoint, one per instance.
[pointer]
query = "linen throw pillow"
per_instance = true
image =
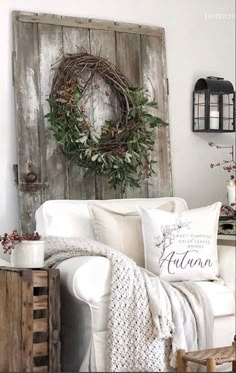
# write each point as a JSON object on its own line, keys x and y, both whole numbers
{"x": 181, "y": 247}
{"x": 121, "y": 230}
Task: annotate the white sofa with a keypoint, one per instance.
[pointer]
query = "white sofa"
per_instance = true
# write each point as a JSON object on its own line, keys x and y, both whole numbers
{"x": 85, "y": 284}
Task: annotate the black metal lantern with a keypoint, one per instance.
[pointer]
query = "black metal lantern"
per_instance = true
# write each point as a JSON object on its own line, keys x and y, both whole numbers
{"x": 213, "y": 105}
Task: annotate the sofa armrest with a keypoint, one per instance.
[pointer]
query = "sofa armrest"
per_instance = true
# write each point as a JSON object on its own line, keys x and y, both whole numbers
{"x": 226, "y": 255}
{"x": 87, "y": 278}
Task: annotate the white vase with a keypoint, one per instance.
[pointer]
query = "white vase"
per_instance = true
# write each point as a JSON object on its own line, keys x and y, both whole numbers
{"x": 28, "y": 254}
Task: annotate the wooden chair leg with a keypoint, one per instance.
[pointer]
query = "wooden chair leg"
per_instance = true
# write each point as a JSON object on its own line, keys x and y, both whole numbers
{"x": 234, "y": 362}
{"x": 181, "y": 362}
{"x": 211, "y": 365}
{"x": 234, "y": 366}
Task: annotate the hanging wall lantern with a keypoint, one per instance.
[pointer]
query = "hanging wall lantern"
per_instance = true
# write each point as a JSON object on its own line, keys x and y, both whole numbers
{"x": 213, "y": 105}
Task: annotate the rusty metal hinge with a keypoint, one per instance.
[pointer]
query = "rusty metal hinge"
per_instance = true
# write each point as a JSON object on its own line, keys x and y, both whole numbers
{"x": 13, "y": 67}
{"x": 15, "y": 170}
{"x": 167, "y": 86}
{"x": 32, "y": 187}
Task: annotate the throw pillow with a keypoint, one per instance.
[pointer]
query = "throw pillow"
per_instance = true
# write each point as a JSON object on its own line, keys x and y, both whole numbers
{"x": 121, "y": 230}
{"x": 181, "y": 247}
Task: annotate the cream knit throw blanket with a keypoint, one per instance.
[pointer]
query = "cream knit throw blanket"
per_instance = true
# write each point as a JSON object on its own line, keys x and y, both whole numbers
{"x": 140, "y": 313}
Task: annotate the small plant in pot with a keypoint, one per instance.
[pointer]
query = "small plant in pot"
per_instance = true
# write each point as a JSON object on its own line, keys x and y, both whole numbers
{"x": 27, "y": 251}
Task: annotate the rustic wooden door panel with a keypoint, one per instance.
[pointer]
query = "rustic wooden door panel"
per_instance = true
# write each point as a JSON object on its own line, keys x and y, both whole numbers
{"x": 39, "y": 41}
{"x": 129, "y": 60}
{"x": 74, "y": 40}
{"x": 27, "y": 117}
{"x": 103, "y": 43}
{"x": 154, "y": 80}
{"x": 50, "y": 50}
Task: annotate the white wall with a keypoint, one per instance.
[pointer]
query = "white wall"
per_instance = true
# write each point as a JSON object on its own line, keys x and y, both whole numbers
{"x": 197, "y": 46}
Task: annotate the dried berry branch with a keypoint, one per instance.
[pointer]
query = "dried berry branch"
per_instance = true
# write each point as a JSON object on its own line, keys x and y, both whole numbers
{"x": 231, "y": 164}
{"x": 9, "y": 241}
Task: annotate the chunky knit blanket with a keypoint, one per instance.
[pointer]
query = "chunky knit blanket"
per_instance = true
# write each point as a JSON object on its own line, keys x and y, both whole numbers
{"x": 143, "y": 325}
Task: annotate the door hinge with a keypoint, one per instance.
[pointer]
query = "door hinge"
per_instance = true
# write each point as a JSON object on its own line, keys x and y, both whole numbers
{"x": 167, "y": 86}
{"x": 15, "y": 170}
{"x": 13, "y": 67}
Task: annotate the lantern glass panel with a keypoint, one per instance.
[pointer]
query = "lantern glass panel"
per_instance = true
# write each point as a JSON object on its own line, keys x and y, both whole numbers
{"x": 199, "y": 111}
{"x": 228, "y": 112}
{"x": 214, "y": 112}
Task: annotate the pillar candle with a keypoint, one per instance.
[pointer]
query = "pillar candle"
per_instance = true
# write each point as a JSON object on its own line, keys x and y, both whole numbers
{"x": 231, "y": 186}
{"x": 214, "y": 120}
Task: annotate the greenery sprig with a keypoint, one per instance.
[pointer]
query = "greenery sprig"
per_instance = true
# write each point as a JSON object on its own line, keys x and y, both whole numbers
{"x": 122, "y": 151}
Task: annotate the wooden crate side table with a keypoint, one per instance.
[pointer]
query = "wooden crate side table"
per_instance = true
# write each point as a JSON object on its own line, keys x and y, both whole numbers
{"x": 210, "y": 358}
{"x": 29, "y": 320}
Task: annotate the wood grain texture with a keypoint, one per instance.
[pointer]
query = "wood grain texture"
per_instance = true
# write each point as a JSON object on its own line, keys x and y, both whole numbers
{"x": 21, "y": 329}
{"x": 40, "y": 349}
{"x": 40, "y": 302}
{"x": 13, "y": 304}
{"x": 54, "y": 321}
{"x": 26, "y": 71}
{"x": 40, "y": 369}
{"x": 4, "y": 334}
{"x": 74, "y": 40}
{"x": 50, "y": 50}
{"x": 154, "y": 80}
{"x": 40, "y": 278}
{"x": 128, "y": 50}
{"x": 89, "y": 23}
{"x": 40, "y": 325}
{"x": 104, "y": 101}
{"x": 27, "y": 321}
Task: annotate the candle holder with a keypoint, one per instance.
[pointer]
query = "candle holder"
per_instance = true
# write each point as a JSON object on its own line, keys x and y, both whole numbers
{"x": 213, "y": 105}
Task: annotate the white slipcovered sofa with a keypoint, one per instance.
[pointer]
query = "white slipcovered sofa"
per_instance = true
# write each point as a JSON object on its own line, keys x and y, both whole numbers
{"x": 85, "y": 283}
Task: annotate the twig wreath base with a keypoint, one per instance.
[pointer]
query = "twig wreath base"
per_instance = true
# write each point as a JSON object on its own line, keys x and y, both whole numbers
{"x": 122, "y": 151}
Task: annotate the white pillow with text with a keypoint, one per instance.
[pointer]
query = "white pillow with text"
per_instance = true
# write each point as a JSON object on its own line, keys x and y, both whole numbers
{"x": 181, "y": 247}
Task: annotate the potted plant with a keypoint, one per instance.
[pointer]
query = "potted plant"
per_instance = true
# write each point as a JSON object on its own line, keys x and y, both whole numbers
{"x": 27, "y": 251}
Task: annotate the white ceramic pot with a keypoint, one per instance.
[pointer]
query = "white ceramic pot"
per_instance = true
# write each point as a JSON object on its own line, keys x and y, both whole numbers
{"x": 28, "y": 254}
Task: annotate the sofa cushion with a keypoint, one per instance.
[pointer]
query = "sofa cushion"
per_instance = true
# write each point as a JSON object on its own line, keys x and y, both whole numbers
{"x": 222, "y": 298}
{"x": 122, "y": 230}
{"x": 181, "y": 246}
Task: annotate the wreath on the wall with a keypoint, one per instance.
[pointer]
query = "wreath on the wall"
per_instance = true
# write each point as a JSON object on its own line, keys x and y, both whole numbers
{"x": 121, "y": 151}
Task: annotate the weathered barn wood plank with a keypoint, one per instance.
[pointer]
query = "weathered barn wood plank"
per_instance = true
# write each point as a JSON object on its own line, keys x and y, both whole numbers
{"x": 154, "y": 80}
{"x": 40, "y": 349}
{"x": 4, "y": 335}
{"x": 13, "y": 322}
{"x": 26, "y": 71}
{"x": 74, "y": 40}
{"x": 40, "y": 325}
{"x": 89, "y": 23}
{"x": 129, "y": 62}
{"x": 40, "y": 302}
{"x": 40, "y": 279}
{"x": 50, "y": 50}
{"x": 27, "y": 320}
{"x": 40, "y": 369}
{"x": 54, "y": 325}
{"x": 105, "y": 106}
